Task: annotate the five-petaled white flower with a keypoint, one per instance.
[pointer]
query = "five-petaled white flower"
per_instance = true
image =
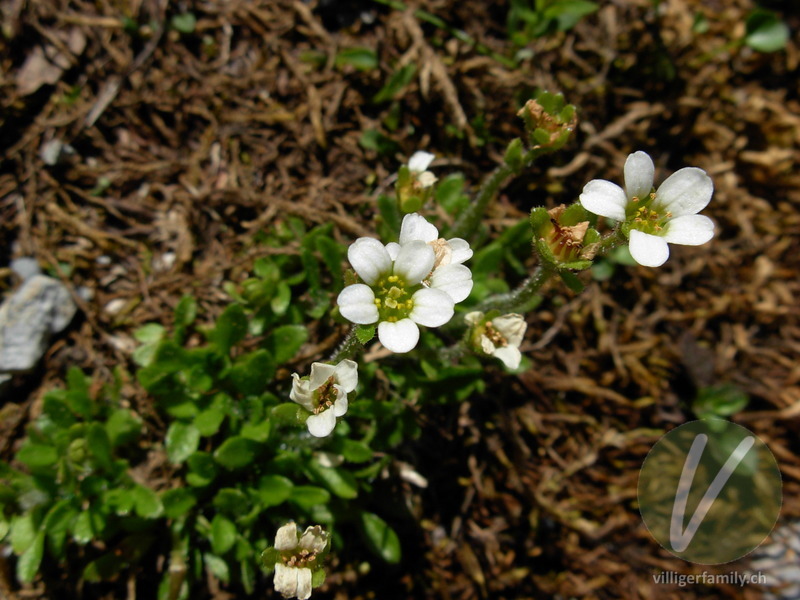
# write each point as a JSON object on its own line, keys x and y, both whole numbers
{"x": 393, "y": 293}
{"x": 449, "y": 272}
{"x": 324, "y": 393}
{"x": 418, "y": 165}
{"x": 499, "y": 337}
{"x": 653, "y": 218}
{"x": 298, "y": 558}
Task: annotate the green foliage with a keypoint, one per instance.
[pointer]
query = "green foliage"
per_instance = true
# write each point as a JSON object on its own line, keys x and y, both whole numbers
{"x": 531, "y": 19}
{"x": 765, "y": 32}
{"x": 363, "y": 59}
{"x": 719, "y": 401}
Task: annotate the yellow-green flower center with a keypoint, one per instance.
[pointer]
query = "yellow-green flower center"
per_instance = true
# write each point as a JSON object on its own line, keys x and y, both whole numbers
{"x": 393, "y": 298}
{"x": 645, "y": 216}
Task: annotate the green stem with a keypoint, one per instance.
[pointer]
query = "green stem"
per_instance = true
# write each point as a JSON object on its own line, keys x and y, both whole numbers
{"x": 349, "y": 347}
{"x": 611, "y": 240}
{"x": 470, "y": 218}
{"x": 518, "y": 299}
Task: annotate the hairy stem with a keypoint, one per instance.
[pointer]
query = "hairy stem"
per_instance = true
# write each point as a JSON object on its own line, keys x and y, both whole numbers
{"x": 349, "y": 347}
{"x": 470, "y": 218}
{"x": 517, "y": 300}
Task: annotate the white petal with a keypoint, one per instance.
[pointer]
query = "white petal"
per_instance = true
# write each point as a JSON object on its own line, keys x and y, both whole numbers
{"x": 322, "y": 424}
{"x": 639, "y": 172}
{"x": 357, "y": 304}
{"x": 461, "y": 251}
{"x": 648, "y": 250}
{"x": 474, "y": 318}
{"x": 689, "y": 230}
{"x": 685, "y": 192}
{"x": 487, "y": 345}
{"x": 286, "y": 538}
{"x": 510, "y": 355}
{"x": 301, "y": 392}
{"x": 393, "y": 248}
{"x": 347, "y": 374}
{"x": 453, "y": 280}
{"x": 420, "y": 161}
{"x": 286, "y": 580}
{"x": 414, "y": 261}
{"x": 432, "y": 308}
{"x": 399, "y": 337}
{"x": 512, "y": 327}
{"x": 369, "y": 259}
{"x": 303, "y": 584}
{"x": 340, "y": 406}
{"x": 320, "y": 373}
{"x": 426, "y": 179}
{"x": 604, "y": 198}
{"x": 415, "y": 227}
{"x": 314, "y": 539}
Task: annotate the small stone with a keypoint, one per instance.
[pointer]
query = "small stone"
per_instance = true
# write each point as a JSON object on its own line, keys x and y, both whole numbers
{"x": 37, "y": 310}
{"x": 25, "y": 267}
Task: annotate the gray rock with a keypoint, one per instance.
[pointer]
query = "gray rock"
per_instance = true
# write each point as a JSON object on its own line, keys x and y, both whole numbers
{"x": 25, "y": 267}
{"x": 37, "y": 310}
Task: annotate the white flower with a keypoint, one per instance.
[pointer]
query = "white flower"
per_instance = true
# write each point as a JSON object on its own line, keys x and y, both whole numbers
{"x": 448, "y": 273}
{"x": 393, "y": 293}
{"x": 298, "y": 558}
{"x": 654, "y": 218}
{"x": 324, "y": 393}
{"x": 501, "y": 336}
{"x": 418, "y": 165}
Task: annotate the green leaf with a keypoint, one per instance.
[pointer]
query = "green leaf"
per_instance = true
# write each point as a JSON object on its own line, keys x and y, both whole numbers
{"x": 450, "y": 193}
{"x": 363, "y": 59}
{"x": 185, "y": 314}
{"x": 177, "y": 502}
{"x": 123, "y": 427}
{"x": 283, "y": 297}
{"x": 317, "y": 578}
{"x": 364, "y": 333}
{"x": 150, "y": 333}
{"x": 28, "y": 564}
{"x": 308, "y": 496}
{"x": 572, "y": 282}
{"x": 355, "y": 451}
{"x": 217, "y": 566}
{"x": 100, "y": 446}
{"x": 285, "y": 341}
{"x": 57, "y": 524}
{"x": 567, "y": 13}
{"x": 236, "y": 452}
{"x": 340, "y": 482}
{"x": 269, "y": 558}
{"x": 722, "y": 400}
{"x": 37, "y": 456}
{"x": 252, "y": 372}
{"x": 230, "y": 329}
{"x": 274, "y": 490}
{"x": 202, "y": 469}
{"x": 184, "y": 23}
{"x": 83, "y": 528}
{"x": 182, "y": 441}
{"x": 23, "y": 532}
{"x": 57, "y": 410}
{"x": 289, "y": 413}
{"x": 372, "y": 139}
{"x": 146, "y": 502}
{"x": 223, "y": 534}
{"x": 232, "y": 501}
{"x": 332, "y": 254}
{"x": 209, "y": 421}
{"x": 765, "y": 32}
{"x": 380, "y": 538}
{"x": 397, "y": 82}
{"x": 248, "y": 575}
